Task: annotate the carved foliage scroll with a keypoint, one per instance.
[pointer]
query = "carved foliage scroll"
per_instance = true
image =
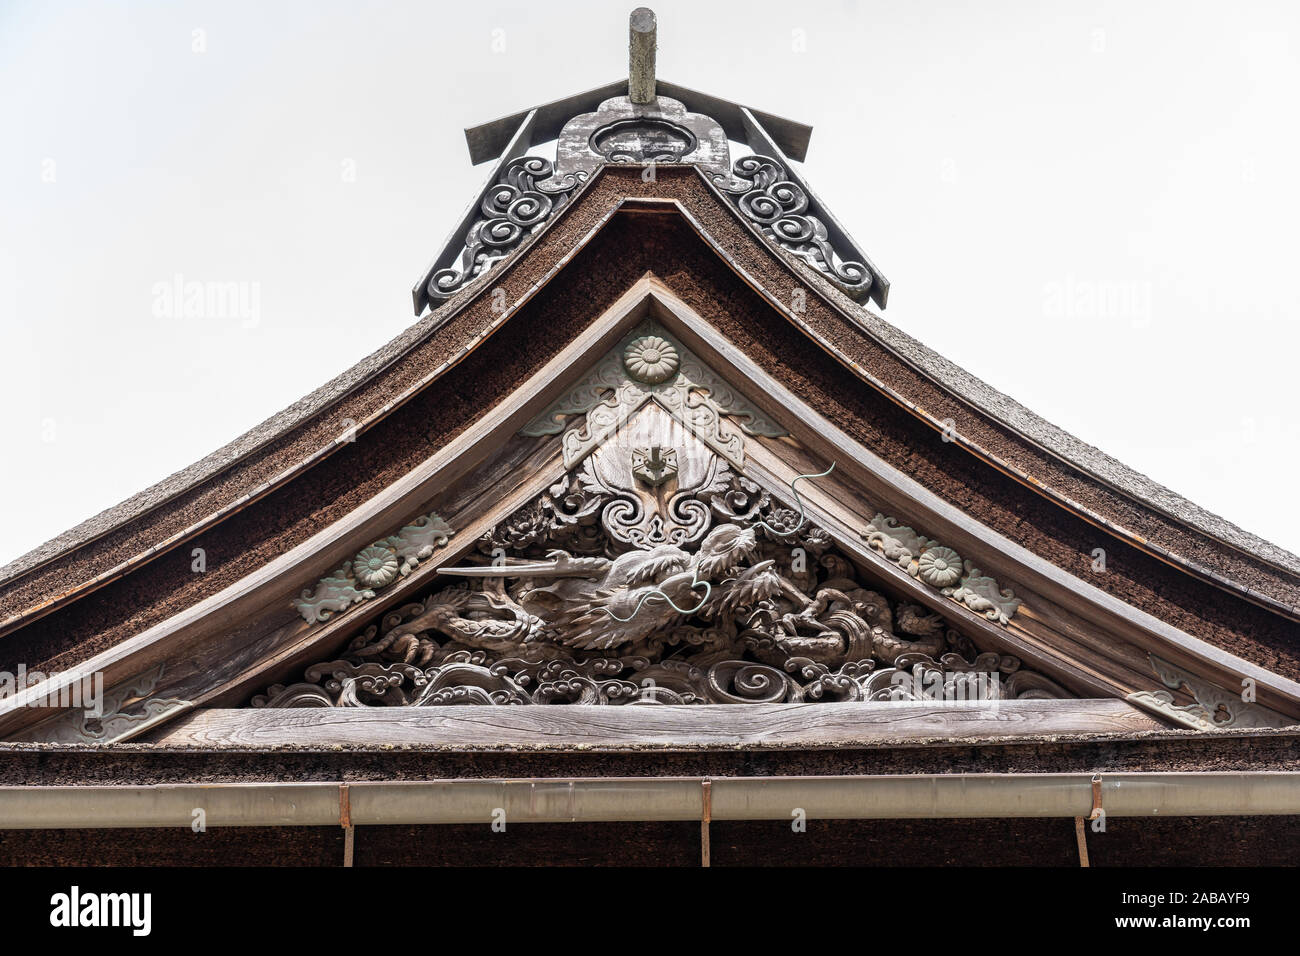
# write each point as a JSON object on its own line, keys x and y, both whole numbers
{"x": 374, "y": 568}
{"x": 1215, "y": 708}
{"x": 942, "y": 568}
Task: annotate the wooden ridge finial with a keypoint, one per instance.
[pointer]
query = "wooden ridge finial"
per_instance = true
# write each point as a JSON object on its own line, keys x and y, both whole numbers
{"x": 641, "y": 56}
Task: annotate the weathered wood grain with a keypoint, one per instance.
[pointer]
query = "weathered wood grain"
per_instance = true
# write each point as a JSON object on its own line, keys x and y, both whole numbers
{"x": 1097, "y": 612}
{"x": 632, "y": 728}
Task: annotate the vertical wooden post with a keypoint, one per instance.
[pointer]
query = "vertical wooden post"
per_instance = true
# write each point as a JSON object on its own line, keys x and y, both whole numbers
{"x": 641, "y": 29}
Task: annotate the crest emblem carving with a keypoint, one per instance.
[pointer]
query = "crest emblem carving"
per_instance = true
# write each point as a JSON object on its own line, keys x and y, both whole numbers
{"x": 649, "y": 366}
{"x": 650, "y": 478}
{"x": 620, "y": 131}
{"x": 655, "y": 465}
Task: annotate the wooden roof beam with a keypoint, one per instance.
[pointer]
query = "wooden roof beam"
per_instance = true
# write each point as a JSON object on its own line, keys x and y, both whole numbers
{"x": 488, "y": 140}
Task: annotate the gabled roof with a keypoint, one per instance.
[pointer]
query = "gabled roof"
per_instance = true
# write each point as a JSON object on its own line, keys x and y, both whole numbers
{"x": 289, "y": 504}
{"x": 266, "y": 441}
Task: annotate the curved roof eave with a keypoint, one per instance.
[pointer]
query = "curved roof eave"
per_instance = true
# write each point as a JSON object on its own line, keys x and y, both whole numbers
{"x": 968, "y": 388}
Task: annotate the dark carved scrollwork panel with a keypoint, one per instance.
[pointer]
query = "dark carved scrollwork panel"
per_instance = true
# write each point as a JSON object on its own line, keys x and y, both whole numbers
{"x": 516, "y": 206}
{"x": 780, "y": 208}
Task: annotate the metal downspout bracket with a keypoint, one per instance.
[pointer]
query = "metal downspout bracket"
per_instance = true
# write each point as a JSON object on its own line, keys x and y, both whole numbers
{"x": 345, "y": 821}
{"x": 706, "y": 816}
{"x": 1080, "y": 832}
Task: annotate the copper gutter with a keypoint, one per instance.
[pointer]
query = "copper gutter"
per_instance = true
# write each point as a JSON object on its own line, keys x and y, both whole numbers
{"x": 621, "y": 799}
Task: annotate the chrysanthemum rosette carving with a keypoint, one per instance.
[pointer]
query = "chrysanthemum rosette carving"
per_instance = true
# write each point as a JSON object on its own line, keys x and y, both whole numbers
{"x": 373, "y": 568}
{"x": 651, "y": 359}
{"x": 942, "y": 568}
{"x": 650, "y": 366}
{"x": 939, "y": 567}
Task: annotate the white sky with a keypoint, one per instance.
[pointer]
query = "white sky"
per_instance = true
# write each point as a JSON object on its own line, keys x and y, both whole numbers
{"x": 1091, "y": 206}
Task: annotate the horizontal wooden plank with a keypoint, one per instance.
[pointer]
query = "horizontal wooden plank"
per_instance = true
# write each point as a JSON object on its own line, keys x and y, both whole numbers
{"x": 637, "y": 728}
{"x": 487, "y": 140}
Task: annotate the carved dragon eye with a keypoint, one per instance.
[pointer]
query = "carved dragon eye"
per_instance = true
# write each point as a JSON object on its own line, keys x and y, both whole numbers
{"x": 651, "y": 359}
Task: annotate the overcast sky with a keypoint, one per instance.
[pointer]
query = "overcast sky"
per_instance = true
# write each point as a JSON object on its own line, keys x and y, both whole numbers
{"x": 1091, "y": 206}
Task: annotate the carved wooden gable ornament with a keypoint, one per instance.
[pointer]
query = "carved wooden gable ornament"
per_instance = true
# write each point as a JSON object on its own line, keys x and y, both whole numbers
{"x": 654, "y": 570}
{"x": 651, "y": 450}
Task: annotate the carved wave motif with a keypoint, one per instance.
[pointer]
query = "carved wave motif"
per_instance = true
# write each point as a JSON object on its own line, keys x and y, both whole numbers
{"x": 126, "y": 708}
{"x": 1215, "y": 708}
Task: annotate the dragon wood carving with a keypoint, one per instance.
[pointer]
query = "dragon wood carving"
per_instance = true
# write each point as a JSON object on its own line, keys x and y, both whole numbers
{"x": 746, "y": 603}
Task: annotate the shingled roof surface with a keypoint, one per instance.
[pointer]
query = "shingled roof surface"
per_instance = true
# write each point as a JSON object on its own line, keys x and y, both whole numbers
{"x": 1075, "y": 451}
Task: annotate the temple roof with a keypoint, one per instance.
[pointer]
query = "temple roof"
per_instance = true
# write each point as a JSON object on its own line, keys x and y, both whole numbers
{"x": 640, "y": 304}
{"x": 955, "y": 379}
